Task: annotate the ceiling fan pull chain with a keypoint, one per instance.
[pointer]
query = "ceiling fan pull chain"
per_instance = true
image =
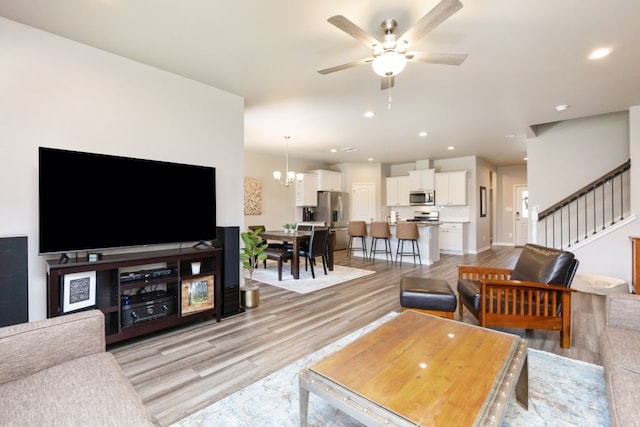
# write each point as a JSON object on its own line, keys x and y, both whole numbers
{"x": 389, "y": 104}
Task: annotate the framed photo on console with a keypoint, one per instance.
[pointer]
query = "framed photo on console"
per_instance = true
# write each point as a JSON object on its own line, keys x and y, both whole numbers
{"x": 78, "y": 291}
{"x": 197, "y": 294}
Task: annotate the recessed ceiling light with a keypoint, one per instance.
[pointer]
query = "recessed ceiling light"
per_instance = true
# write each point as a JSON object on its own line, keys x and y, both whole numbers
{"x": 333, "y": 150}
{"x": 370, "y": 159}
{"x": 450, "y": 148}
{"x": 525, "y": 159}
{"x": 369, "y": 114}
{"x": 562, "y": 107}
{"x": 423, "y": 134}
{"x": 600, "y": 53}
{"x": 510, "y": 135}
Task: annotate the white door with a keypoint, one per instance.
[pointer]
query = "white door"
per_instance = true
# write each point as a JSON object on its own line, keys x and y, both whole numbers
{"x": 363, "y": 201}
{"x": 522, "y": 215}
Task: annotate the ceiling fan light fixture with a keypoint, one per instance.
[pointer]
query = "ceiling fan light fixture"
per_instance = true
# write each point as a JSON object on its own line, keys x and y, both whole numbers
{"x": 390, "y": 63}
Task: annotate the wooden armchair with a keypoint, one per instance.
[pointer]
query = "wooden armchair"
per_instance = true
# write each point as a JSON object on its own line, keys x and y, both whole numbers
{"x": 535, "y": 294}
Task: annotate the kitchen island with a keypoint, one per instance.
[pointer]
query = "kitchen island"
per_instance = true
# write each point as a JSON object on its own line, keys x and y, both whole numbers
{"x": 428, "y": 242}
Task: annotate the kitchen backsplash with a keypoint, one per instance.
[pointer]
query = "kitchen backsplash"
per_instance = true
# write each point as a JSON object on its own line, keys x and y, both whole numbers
{"x": 447, "y": 213}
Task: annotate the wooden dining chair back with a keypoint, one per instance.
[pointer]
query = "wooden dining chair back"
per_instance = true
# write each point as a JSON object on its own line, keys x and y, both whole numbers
{"x": 303, "y": 245}
{"x": 272, "y": 247}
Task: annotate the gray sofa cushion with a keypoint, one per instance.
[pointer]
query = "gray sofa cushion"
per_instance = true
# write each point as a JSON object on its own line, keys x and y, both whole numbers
{"x": 620, "y": 350}
{"x": 544, "y": 265}
{"x": 87, "y": 391}
{"x": 27, "y": 348}
{"x": 622, "y": 393}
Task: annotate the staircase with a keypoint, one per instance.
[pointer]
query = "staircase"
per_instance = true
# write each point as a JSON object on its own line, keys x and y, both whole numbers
{"x": 594, "y": 210}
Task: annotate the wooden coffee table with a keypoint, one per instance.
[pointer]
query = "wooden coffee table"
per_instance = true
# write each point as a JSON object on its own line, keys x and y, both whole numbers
{"x": 418, "y": 369}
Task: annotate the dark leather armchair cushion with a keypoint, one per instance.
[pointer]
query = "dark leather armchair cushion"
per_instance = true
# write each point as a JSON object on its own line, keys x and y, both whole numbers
{"x": 469, "y": 291}
{"x": 544, "y": 265}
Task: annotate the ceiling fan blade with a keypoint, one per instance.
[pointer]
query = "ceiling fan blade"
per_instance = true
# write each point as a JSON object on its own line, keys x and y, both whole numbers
{"x": 387, "y": 82}
{"x": 345, "y": 66}
{"x": 431, "y": 20}
{"x": 353, "y": 30}
{"x": 437, "y": 58}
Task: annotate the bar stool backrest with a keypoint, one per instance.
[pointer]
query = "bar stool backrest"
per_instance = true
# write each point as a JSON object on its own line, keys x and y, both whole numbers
{"x": 357, "y": 228}
{"x": 380, "y": 229}
{"x": 407, "y": 230}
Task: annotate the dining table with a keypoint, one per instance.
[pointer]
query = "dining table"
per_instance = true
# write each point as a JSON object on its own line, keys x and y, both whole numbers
{"x": 296, "y": 238}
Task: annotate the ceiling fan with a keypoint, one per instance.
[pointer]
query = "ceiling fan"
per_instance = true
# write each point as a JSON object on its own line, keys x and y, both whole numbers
{"x": 390, "y": 56}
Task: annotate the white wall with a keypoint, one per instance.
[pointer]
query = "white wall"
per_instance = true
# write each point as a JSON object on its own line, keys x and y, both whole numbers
{"x": 62, "y": 94}
{"x": 595, "y": 146}
{"x": 507, "y": 178}
{"x": 365, "y": 173}
{"x": 481, "y": 240}
{"x": 278, "y": 201}
{"x": 567, "y": 155}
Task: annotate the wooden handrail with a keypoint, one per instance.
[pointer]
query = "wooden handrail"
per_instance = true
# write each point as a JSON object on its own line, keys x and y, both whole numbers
{"x": 584, "y": 190}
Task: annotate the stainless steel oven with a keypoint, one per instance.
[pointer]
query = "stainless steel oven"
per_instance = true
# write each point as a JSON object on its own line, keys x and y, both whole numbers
{"x": 422, "y": 198}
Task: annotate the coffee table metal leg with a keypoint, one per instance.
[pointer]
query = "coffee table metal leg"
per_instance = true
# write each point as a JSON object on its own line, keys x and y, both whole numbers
{"x": 522, "y": 385}
{"x": 304, "y": 400}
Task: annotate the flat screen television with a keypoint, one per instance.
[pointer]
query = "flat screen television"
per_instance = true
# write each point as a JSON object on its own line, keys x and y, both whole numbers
{"x": 94, "y": 201}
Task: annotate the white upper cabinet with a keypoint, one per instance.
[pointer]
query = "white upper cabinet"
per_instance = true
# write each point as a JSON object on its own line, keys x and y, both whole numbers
{"x": 328, "y": 180}
{"x": 307, "y": 190}
{"x": 451, "y": 188}
{"x": 423, "y": 179}
{"x": 398, "y": 189}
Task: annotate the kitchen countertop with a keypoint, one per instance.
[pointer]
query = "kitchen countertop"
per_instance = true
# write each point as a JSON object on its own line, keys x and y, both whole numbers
{"x": 422, "y": 223}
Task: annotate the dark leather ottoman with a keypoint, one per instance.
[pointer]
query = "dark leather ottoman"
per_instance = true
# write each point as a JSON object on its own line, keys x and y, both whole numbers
{"x": 432, "y": 296}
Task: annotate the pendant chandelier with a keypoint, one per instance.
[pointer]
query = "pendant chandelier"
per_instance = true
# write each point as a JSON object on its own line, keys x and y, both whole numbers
{"x": 289, "y": 176}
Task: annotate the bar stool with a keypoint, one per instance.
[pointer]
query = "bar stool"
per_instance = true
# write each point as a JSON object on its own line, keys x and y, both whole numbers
{"x": 357, "y": 229}
{"x": 407, "y": 231}
{"x": 271, "y": 246}
{"x": 380, "y": 230}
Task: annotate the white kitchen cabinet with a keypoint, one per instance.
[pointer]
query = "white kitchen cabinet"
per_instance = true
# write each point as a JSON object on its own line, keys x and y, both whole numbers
{"x": 398, "y": 189}
{"x": 451, "y": 188}
{"x": 307, "y": 190}
{"x": 452, "y": 238}
{"x": 423, "y": 179}
{"x": 328, "y": 180}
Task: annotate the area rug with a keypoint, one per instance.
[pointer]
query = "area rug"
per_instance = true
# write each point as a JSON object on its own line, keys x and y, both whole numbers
{"x": 562, "y": 392}
{"x": 306, "y": 283}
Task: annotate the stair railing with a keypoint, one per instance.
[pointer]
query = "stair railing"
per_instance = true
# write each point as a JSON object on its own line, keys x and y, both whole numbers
{"x": 588, "y": 211}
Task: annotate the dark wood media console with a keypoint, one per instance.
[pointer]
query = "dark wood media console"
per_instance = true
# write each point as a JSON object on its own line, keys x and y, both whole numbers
{"x": 155, "y": 290}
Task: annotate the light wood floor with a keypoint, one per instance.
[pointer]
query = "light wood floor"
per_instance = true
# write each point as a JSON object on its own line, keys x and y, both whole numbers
{"x": 180, "y": 371}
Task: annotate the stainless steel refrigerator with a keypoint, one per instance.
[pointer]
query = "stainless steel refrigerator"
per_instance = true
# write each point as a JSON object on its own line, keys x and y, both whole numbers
{"x": 333, "y": 209}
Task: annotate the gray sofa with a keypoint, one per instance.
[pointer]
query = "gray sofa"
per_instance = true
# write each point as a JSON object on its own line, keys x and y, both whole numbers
{"x": 56, "y": 372}
{"x": 619, "y": 345}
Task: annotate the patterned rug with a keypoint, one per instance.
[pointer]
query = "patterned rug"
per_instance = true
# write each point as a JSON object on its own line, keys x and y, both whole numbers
{"x": 306, "y": 283}
{"x": 562, "y": 392}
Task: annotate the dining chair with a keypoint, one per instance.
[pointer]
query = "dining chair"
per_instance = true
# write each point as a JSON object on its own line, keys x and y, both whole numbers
{"x": 317, "y": 248}
{"x": 303, "y": 245}
{"x": 270, "y": 246}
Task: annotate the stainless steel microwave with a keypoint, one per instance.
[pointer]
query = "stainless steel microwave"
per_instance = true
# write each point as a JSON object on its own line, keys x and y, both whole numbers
{"x": 422, "y": 198}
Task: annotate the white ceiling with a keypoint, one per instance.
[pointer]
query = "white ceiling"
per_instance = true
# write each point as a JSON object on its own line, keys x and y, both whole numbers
{"x": 525, "y": 57}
